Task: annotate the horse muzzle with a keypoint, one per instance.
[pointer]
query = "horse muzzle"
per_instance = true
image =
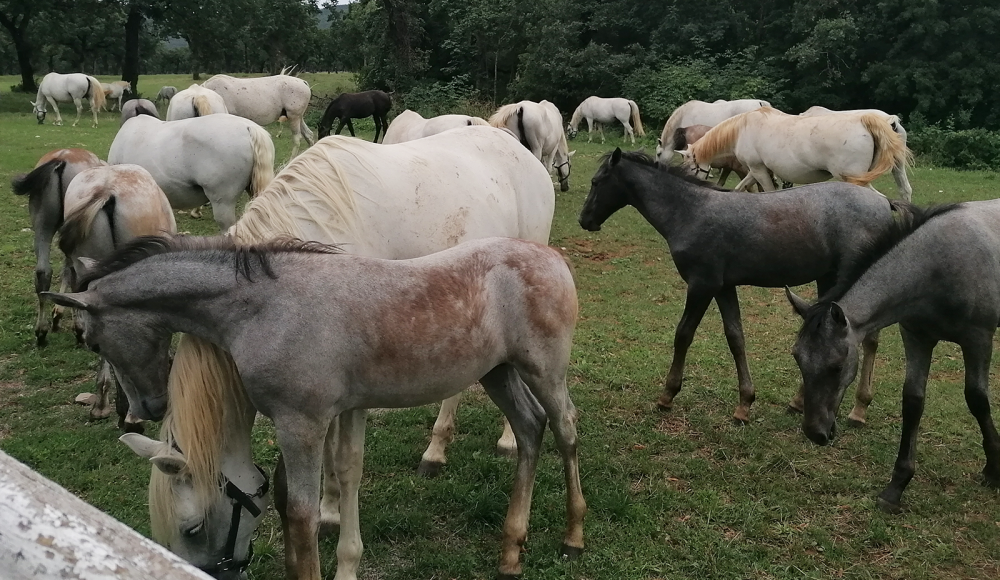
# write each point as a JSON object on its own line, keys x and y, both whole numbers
{"x": 820, "y": 435}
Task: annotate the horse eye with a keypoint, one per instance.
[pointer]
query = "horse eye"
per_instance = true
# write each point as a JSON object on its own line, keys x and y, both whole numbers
{"x": 192, "y": 532}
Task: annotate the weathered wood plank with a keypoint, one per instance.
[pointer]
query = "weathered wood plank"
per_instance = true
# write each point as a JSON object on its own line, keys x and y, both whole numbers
{"x": 48, "y": 533}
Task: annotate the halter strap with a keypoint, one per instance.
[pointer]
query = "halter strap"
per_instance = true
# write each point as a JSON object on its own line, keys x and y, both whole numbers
{"x": 568, "y": 171}
{"x": 241, "y": 500}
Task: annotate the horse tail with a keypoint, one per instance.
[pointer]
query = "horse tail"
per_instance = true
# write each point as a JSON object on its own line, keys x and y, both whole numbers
{"x": 520, "y": 128}
{"x": 899, "y": 170}
{"x": 670, "y": 130}
{"x": 201, "y": 106}
{"x": 263, "y": 159}
{"x": 97, "y": 100}
{"x": 890, "y": 150}
{"x": 78, "y": 224}
{"x": 636, "y": 121}
{"x": 503, "y": 114}
{"x": 38, "y": 179}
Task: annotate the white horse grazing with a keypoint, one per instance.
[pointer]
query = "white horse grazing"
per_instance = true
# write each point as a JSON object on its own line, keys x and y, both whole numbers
{"x": 539, "y": 128}
{"x": 409, "y": 125}
{"x": 195, "y": 101}
{"x": 389, "y": 201}
{"x": 73, "y": 87}
{"x": 898, "y": 171}
{"x": 853, "y": 148}
{"x": 165, "y": 93}
{"x": 264, "y": 100}
{"x": 699, "y": 113}
{"x": 115, "y": 91}
{"x": 599, "y": 110}
{"x": 197, "y": 161}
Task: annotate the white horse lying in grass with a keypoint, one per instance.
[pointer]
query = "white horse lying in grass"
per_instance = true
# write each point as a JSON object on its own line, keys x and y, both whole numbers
{"x": 409, "y": 125}
{"x": 699, "y": 113}
{"x": 539, "y": 128}
{"x": 599, "y": 110}
{"x": 195, "y": 101}
{"x": 853, "y": 148}
{"x": 74, "y": 87}
{"x": 197, "y": 161}
{"x": 898, "y": 171}
{"x": 115, "y": 91}
{"x": 264, "y": 100}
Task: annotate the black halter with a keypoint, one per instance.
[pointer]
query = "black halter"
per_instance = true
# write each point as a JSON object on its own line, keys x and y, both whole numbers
{"x": 568, "y": 170}
{"x": 241, "y": 501}
{"x": 698, "y": 171}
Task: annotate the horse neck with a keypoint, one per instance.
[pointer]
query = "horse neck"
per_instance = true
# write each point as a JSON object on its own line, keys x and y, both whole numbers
{"x": 39, "y": 96}
{"x": 574, "y": 122}
{"x": 667, "y": 202}
{"x": 721, "y": 140}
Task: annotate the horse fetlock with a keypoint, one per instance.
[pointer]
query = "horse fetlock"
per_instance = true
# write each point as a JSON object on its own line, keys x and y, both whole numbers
{"x": 506, "y": 449}
{"x": 98, "y": 412}
{"x": 742, "y": 414}
{"x": 570, "y": 553}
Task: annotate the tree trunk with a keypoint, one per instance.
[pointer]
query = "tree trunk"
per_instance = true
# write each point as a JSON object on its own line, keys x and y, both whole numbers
{"x": 130, "y": 68}
{"x": 23, "y": 49}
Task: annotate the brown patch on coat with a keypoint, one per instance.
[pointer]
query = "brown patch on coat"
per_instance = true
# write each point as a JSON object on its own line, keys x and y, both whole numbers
{"x": 552, "y": 306}
{"x": 72, "y": 156}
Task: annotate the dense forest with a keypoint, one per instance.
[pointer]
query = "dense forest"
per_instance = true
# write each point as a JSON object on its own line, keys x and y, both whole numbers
{"x": 933, "y": 62}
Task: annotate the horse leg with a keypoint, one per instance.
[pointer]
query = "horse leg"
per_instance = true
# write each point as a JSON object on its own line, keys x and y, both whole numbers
{"x": 378, "y": 127}
{"x": 600, "y": 129}
{"x": 55, "y": 109}
{"x": 902, "y": 182}
{"x": 79, "y": 111}
{"x": 628, "y": 130}
{"x": 340, "y": 125}
{"x": 729, "y": 307}
{"x": 918, "y": 363}
{"x": 350, "y": 454}
{"x": 296, "y": 137}
{"x": 281, "y": 506}
{"x": 745, "y": 183}
{"x": 762, "y": 177}
{"x": 104, "y": 383}
{"x": 350, "y": 127}
{"x": 127, "y": 422}
{"x": 527, "y": 419}
{"x": 303, "y": 465}
{"x": 724, "y": 176}
{"x": 224, "y": 208}
{"x": 43, "y": 282}
{"x": 442, "y": 434}
{"x": 304, "y": 130}
{"x": 872, "y": 187}
{"x": 977, "y": 356}
{"x": 590, "y": 129}
{"x": 329, "y": 507}
{"x": 698, "y": 299}
{"x": 551, "y": 392}
{"x": 863, "y": 396}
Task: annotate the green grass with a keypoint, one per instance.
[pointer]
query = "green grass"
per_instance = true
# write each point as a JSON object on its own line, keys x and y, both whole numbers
{"x": 686, "y": 494}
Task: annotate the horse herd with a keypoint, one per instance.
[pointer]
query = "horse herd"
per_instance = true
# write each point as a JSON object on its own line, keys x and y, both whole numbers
{"x": 392, "y": 275}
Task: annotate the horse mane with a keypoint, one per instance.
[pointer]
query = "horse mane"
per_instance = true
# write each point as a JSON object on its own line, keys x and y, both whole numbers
{"x": 206, "y": 394}
{"x": 478, "y": 121}
{"x": 503, "y": 114}
{"x": 909, "y": 218}
{"x": 574, "y": 121}
{"x": 313, "y": 188}
{"x": 246, "y": 259}
{"x": 721, "y": 137}
{"x": 643, "y": 158}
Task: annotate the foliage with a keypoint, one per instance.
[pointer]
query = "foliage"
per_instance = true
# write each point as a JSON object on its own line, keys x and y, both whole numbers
{"x": 965, "y": 149}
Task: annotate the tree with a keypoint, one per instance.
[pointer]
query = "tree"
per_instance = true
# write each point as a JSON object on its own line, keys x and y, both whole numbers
{"x": 16, "y": 16}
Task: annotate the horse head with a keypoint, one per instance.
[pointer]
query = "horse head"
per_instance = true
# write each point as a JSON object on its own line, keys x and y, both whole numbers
{"x": 571, "y": 131}
{"x": 607, "y": 193}
{"x": 39, "y": 111}
{"x": 689, "y": 162}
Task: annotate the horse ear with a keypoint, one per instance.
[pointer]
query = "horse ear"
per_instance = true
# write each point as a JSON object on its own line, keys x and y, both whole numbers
{"x": 76, "y": 300}
{"x": 659, "y": 142}
{"x": 144, "y": 446}
{"x": 837, "y": 313}
{"x": 799, "y": 305}
{"x": 571, "y": 153}
{"x": 170, "y": 464}
{"x": 87, "y": 263}
{"x": 616, "y": 156}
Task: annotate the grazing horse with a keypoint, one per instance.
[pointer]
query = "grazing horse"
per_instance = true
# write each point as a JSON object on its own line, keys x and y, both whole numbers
{"x": 106, "y": 207}
{"x": 898, "y": 171}
{"x": 498, "y": 310}
{"x": 264, "y": 100}
{"x": 854, "y": 148}
{"x": 938, "y": 276}
{"x": 195, "y": 101}
{"x": 727, "y": 163}
{"x": 387, "y": 201}
{"x": 137, "y": 107}
{"x": 73, "y": 87}
{"x": 409, "y": 125}
{"x": 720, "y": 239}
{"x": 347, "y": 106}
{"x": 699, "y": 113}
{"x": 166, "y": 93}
{"x": 598, "y": 110}
{"x": 46, "y": 187}
{"x": 213, "y": 159}
{"x": 539, "y": 128}
{"x": 115, "y": 91}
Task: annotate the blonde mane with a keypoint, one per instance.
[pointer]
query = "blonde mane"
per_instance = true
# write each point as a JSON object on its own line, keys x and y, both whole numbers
{"x": 313, "y": 188}
{"x": 503, "y": 114}
{"x": 574, "y": 122}
{"x": 206, "y": 394}
{"x": 722, "y": 138}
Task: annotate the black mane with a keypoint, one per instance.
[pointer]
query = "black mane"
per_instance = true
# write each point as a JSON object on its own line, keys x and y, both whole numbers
{"x": 246, "y": 259}
{"x": 908, "y": 219}
{"x": 643, "y": 158}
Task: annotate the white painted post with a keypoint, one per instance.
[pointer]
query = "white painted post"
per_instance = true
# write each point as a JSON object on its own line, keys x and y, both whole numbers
{"x": 47, "y": 533}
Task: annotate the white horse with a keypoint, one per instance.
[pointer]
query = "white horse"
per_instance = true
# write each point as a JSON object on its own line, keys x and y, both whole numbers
{"x": 539, "y": 128}
{"x": 898, "y": 171}
{"x": 391, "y": 201}
{"x": 165, "y": 93}
{"x": 115, "y": 91}
{"x": 73, "y": 87}
{"x": 599, "y": 110}
{"x": 197, "y": 161}
{"x": 409, "y": 125}
{"x": 854, "y": 148}
{"x": 195, "y": 101}
{"x": 264, "y": 100}
{"x": 699, "y": 113}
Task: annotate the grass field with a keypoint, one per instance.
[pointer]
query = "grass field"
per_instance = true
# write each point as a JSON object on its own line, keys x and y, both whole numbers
{"x": 686, "y": 494}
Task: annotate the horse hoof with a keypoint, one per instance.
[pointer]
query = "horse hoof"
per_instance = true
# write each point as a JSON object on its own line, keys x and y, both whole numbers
{"x": 429, "y": 469}
{"x": 98, "y": 414}
{"x": 132, "y": 428}
{"x": 570, "y": 553}
{"x": 665, "y": 403}
{"x": 741, "y": 417}
{"x": 991, "y": 480}
{"x": 41, "y": 339}
{"x": 888, "y": 507}
{"x": 793, "y": 410}
{"x": 856, "y": 423}
{"x": 509, "y": 452}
